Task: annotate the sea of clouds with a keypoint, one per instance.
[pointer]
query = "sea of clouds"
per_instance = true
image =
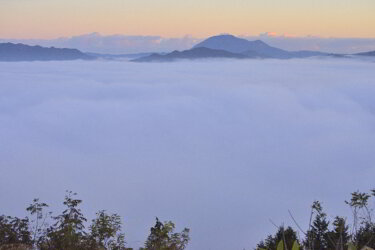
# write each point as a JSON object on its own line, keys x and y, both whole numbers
{"x": 220, "y": 147}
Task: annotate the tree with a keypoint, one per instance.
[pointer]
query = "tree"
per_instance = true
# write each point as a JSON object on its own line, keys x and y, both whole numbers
{"x": 340, "y": 234}
{"x": 14, "y": 230}
{"x": 105, "y": 231}
{"x": 365, "y": 236}
{"x": 39, "y": 223}
{"x": 162, "y": 237}
{"x": 317, "y": 236}
{"x": 68, "y": 231}
{"x": 363, "y": 228}
{"x": 288, "y": 236}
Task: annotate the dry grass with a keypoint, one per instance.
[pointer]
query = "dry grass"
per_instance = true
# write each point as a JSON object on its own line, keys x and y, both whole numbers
{"x": 15, "y": 247}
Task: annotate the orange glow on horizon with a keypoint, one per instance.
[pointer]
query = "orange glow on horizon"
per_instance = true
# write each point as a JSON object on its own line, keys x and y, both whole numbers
{"x": 171, "y": 18}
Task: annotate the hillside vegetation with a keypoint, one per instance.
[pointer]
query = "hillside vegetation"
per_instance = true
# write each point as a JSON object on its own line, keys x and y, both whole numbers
{"x": 43, "y": 230}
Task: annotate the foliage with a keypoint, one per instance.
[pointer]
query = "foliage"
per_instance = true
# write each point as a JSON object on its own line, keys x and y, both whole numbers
{"x": 336, "y": 235}
{"x": 14, "y": 230}
{"x": 287, "y": 237}
{"x": 317, "y": 236}
{"x": 38, "y": 223}
{"x": 67, "y": 231}
{"x": 296, "y": 245}
{"x": 105, "y": 231}
{"x": 162, "y": 237}
{"x": 339, "y": 236}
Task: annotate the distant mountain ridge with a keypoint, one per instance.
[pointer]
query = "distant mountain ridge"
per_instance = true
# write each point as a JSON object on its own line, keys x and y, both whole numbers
{"x": 118, "y": 56}
{"x": 11, "y": 52}
{"x": 255, "y": 48}
{"x": 369, "y": 53}
{"x": 229, "y": 46}
{"x": 221, "y": 46}
{"x": 230, "y": 43}
{"x": 194, "y": 53}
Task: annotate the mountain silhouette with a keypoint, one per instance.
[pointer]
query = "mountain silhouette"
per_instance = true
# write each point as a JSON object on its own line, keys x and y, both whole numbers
{"x": 195, "y": 53}
{"x": 118, "y": 56}
{"x": 255, "y": 48}
{"x": 231, "y": 43}
{"x": 369, "y": 53}
{"x": 21, "y": 52}
{"x": 229, "y": 46}
{"x": 221, "y": 46}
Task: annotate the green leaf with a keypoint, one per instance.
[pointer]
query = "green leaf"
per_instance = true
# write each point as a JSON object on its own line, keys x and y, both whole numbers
{"x": 262, "y": 249}
{"x": 280, "y": 246}
{"x": 351, "y": 246}
{"x": 295, "y": 245}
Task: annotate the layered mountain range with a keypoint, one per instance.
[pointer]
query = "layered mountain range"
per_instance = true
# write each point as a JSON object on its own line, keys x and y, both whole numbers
{"x": 370, "y": 53}
{"x": 10, "y": 52}
{"x": 228, "y": 46}
{"x": 221, "y": 46}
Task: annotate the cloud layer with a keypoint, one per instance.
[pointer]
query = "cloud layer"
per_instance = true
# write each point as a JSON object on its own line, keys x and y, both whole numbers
{"x": 220, "y": 147}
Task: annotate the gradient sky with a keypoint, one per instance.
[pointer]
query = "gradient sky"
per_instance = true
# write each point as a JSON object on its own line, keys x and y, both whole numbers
{"x": 172, "y": 18}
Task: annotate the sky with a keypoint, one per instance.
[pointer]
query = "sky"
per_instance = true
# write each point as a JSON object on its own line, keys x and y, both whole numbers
{"x": 46, "y": 19}
{"x": 220, "y": 147}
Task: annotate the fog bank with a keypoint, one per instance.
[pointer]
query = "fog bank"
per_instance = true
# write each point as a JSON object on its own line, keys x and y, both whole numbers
{"x": 219, "y": 147}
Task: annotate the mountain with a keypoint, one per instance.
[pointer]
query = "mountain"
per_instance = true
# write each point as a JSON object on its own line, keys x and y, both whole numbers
{"x": 194, "y": 53}
{"x": 118, "y": 56}
{"x": 21, "y": 52}
{"x": 228, "y": 46}
{"x": 369, "y": 53}
{"x": 239, "y": 45}
{"x": 230, "y": 43}
{"x": 255, "y": 48}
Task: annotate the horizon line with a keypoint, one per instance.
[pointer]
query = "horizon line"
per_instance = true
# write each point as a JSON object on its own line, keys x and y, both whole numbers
{"x": 265, "y": 34}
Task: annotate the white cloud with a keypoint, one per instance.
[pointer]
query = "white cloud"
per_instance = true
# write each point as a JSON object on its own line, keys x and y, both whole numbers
{"x": 220, "y": 147}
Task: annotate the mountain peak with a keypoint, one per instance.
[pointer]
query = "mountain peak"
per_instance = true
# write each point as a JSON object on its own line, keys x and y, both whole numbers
{"x": 224, "y": 35}
{"x": 229, "y": 46}
{"x": 23, "y": 52}
{"x": 231, "y": 43}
